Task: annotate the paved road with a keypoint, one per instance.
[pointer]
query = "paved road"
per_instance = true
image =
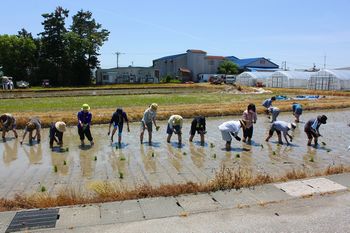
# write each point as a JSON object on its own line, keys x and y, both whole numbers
{"x": 329, "y": 213}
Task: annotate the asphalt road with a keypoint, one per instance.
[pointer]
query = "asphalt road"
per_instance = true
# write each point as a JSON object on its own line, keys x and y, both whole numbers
{"x": 327, "y": 213}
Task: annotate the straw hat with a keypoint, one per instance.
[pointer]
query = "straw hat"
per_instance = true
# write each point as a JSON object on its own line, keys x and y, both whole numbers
{"x": 177, "y": 120}
{"x": 60, "y": 126}
{"x": 154, "y": 106}
{"x": 85, "y": 107}
{"x": 30, "y": 126}
{"x": 292, "y": 125}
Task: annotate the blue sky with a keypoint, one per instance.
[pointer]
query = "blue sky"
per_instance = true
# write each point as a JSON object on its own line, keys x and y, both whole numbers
{"x": 299, "y": 32}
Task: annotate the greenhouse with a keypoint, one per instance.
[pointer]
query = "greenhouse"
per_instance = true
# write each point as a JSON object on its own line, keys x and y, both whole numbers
{"x": 253, "y": 78}
{"x": 330, "y": 80}
{"x": 290, "y": 79}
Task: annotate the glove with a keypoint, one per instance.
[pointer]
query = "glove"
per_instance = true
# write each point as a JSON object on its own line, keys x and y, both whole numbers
{"x": 238, "y": 138}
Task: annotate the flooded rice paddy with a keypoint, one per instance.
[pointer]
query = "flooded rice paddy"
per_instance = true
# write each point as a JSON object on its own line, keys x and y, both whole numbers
{"x": 25, "y": 169}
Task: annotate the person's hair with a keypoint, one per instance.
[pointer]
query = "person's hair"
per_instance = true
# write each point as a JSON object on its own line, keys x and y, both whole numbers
{"x": 119, "y": 111}
{"x": 322, "y": 119}
{"x": 273, "y": 98}
{"x": 251, "y": 107}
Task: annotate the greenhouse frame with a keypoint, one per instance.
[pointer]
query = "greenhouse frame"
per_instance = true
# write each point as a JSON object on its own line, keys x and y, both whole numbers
{"x": 251, "y": 78}
{"x": 290, "y": 79}
{"x": 330, "y": 80}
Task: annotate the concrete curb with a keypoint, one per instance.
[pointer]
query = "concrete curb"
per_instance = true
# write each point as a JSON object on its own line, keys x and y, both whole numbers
{"x": 184, "y": 205}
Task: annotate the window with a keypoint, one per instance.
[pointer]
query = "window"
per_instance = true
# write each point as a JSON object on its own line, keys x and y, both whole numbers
{"x": 105, "y": 77}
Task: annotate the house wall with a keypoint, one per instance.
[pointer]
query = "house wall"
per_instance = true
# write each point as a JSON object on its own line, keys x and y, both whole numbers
{"x": 126, "y": 75}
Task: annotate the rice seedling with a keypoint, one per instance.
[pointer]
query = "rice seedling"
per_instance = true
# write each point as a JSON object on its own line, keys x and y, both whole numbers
{"x": 273, "y": 152}
{"x": 214, "y": 156}
{"x": 55, "y": 168}
{"x": 212, "y": 145}
{"x": 64, "y": 162}
{"x": 121, "y": 175}
{"x": 238, "y": 155}
{"x": 312, "y": 159}
{"x": 184, "y": 153}
{"x": 122, "y": 158}
{"x": 95, "y": 158}
{"x": 152, "y": 154}
{"x": 43, "y": 189}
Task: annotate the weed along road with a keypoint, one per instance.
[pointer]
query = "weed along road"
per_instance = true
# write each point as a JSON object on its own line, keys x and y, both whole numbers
{"x": 30, "y": 169}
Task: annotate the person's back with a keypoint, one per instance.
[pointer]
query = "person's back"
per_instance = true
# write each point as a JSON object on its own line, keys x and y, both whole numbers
{"x": 281, "y": 126}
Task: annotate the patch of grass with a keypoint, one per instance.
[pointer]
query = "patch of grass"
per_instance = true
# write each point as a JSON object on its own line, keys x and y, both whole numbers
{"x": 225, "y": 178}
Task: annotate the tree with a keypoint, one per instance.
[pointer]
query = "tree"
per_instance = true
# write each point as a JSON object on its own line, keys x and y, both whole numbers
{"x": 17, "y": 56}
{"x": 228, "y": 67}
{"x": 89, "y": 37}
{"x": 53, "y": 45}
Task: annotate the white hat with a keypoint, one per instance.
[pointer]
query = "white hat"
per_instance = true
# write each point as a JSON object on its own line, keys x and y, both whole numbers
{"x": 60, "y": 126}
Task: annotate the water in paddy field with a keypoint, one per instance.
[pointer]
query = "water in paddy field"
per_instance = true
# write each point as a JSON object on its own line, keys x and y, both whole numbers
{"x": 27, "y": 168}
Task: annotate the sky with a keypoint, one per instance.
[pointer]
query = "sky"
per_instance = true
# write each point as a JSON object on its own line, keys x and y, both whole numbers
{"x": 300, "y": 32}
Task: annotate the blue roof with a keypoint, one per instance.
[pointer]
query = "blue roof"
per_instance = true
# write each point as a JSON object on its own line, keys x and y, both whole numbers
{"x": 242, "y": 63}
{"x": 170, "y": 57}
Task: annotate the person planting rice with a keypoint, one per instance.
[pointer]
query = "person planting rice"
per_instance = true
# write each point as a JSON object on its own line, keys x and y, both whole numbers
{"x": 281, "y": 126}
{"x": 250, "y": 117}
{"x": 198, "y": 124}
{"x": 118, "y": 118}
{"x": 149, "y": 117}
{"x": 84, "y": 122}
{"x": 33, "y": 124}
{"x": 268, "y": 103}
{"x": 274, "y": 113}
{"x": 297, "y": 111}
{"x": 56, "y": 133}
{"x": 231, "y": 129}
{"x": 8, "y": 122}
{"x": 312, "y": 129}
{"x": 174, "y": 126}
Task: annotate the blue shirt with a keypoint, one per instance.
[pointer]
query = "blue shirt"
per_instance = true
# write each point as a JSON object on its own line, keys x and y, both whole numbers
{"x": 85, "y": 118}
{"x": 267, "y": 103}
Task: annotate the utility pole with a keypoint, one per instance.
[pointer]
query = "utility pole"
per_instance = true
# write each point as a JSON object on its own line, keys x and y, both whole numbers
{"x": 118, "y": 54}
{"x": 324, "y": 61}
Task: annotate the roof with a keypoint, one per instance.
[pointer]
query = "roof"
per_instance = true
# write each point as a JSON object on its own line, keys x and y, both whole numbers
{"x": 340, "y": 74}
{"x": 294, "y": 74}
{"x": 243, "y": 63}
{"x": 257, "y": 69}
{"x": 196, "y": 51}
{"x": 215, "y": 57}
{"x": 257, "y": 75}
{"x": 170, "y": 57}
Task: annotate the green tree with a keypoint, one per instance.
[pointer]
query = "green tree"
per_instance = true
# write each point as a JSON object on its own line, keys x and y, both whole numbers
{"x": 53, "y": 51}
{"x": 89, "y": 37}
{"x": 17, "y": 56}
{"x": 228, "y": 67}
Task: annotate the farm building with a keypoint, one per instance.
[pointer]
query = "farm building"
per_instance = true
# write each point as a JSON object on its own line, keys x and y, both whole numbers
{"x": 289, "y": 79}
{"x": 252, "y": 78}
{"x": 127, "y": 75}
{"x": 330, "y": 80}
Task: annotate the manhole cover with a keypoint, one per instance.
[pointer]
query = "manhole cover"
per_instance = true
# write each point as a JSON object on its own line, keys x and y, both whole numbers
{"x": 34, "y": 219}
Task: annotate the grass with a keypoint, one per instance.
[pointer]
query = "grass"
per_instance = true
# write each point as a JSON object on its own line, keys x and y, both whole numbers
{"x": 188, "y": 105}
{"x": 225, "y": 178}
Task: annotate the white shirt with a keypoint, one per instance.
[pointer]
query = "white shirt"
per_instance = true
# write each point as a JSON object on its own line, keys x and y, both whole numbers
{"x": 148, "y": 115}
{"x": 230, "y": 126}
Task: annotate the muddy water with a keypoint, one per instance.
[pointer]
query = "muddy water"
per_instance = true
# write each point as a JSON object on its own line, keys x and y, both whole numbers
{"x": 27, "y": 168}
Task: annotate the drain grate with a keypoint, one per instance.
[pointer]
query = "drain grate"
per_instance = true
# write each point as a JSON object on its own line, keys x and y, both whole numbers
{"x": 34, "y": 219}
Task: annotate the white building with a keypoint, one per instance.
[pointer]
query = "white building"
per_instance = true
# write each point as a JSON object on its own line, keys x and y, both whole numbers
{"x": 289, "y": 79}
{"x": 127, "y": 75}
{"x": 251, "y": 78}
{"x": 330, "y": 80}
